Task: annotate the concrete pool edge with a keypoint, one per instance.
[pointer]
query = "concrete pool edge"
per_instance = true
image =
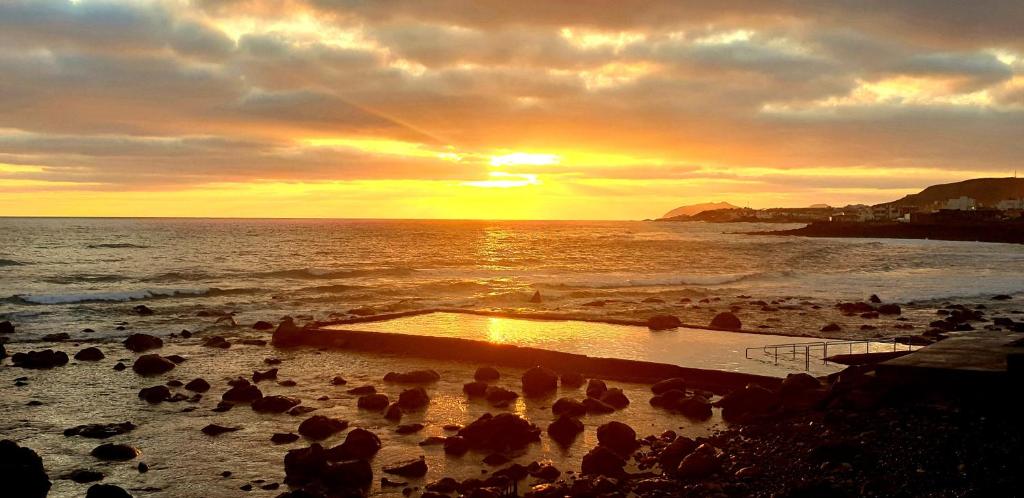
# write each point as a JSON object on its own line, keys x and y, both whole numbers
{"x": 535, "y": 315}
{"x": 487, "y": 353}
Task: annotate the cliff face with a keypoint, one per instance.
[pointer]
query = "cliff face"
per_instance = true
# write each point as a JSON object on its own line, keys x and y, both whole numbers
{"x": 987, "y": 191}
{"x": 694, "y": 209}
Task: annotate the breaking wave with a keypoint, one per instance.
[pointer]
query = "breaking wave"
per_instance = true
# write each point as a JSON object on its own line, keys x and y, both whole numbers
{"x": 123, "y": 296}
{"x": 328, "y": 274}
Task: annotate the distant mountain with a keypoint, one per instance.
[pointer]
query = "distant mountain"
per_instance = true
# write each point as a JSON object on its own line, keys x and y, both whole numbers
{"x": 695, "y": 209}
{"x": 986, "y": 191}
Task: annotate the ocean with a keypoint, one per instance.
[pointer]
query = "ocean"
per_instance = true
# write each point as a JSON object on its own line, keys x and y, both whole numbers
{"x": 61, "y": 275}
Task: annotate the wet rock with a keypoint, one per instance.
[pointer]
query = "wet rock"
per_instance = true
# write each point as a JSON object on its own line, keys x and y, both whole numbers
{"x": 568, "y": 406}
{"x": 320, "y": 427}
{"x": 456, "y": 445}
{"x": 409, "y": 428}
{"x": 695, "y": 407}
{"x": 242, "y": 393}
{"x": 6, "y": 327}
{"x": 100, "y": 431}
{"x": 142, "y": 309}
{"x": 373, "y": 402}
{"x": 408, "y": 468}
{"x": 106, "y": 491}
{"x": 486, "y": 374}
{"x": 173, "y": 383}
{"x": 58, "y": 337}
{"x": 176, "y": 358}
{"x": 539, "y": 381}
{"x": 115, "y": 452}
{"x": 338, "y": 381}
{"x": 495, "y": 459}
{"x": 3, "y": 351}
{"x": 82, "y": 476}
{"x": 565, "y": 429}
{"x": 474, "y": 389}
{"x": 433, "y": 441}
{"x": 832, "y": 327}
{"x": 262, "y": 325}
{"x": 596, "y": 388}
{"x": 674, "y": 453}
{"x": 726, "y": 321}
{"x": 216, "y": 430}
{"x": 413, "y": 377}
{"x": 499, "y": 396}
{"x": 142, "y": 468}
{"x": 44, "y": 359}
{"x": 21, "y": 471}
{"x": 301, "y": 410}
{"x": 198, "y": 385}
{"x": 502, "y": 432}
{"x": 119, "y": 366}
{"x": 275, "y": 404}
{"x": 675, "y": 383}
{"x": 664, "y": 322}
{"x": 258, "y": 376}
{"x": 156, "y": 394}
{"x": 603, "y": 461}
{"x": 362, "y": 390}
{"x": 217, "y": 342}
{"x": 152, "y": 364}
{"x": 310, "y": 465}
{"x": 393, "y": 412}
{"x": 359, "y": 444}
{"x": 545, "y": 472}
{"x": 618, "y": 436}
{"x": 615, "y": 398}
{"x": 701, "y": 463}
{"x": 140, "y": 343}
{"x": 597, "y": 407}
{"x": 751, "y": 401}
{"x": 572, "y": 380}
{"x": 890, "y": 309}
{"x": 796, "y": 383}
{"x": 284, "y": 438}
{"x": 536, "y": 299}
{"x": 412, "y": 399}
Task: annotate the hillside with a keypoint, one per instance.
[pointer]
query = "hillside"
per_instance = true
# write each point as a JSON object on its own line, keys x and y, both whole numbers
{"x": 987, "y": 191}
{"x": 694, "y": 209}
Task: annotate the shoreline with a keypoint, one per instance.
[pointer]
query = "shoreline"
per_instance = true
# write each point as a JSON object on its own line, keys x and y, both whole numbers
{"x": 1007, "y": 233}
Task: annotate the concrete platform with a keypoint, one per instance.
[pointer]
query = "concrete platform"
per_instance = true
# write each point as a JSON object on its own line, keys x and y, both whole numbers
{"x": 971, "y": 359}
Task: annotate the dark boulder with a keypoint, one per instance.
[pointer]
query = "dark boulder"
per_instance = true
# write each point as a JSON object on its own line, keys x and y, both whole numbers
{"x": 350, "y": 476}
{"x": 890, "y": 309}
{"x": 114, "y": 452}
{"x": 57, "y": 337}
{"x": 617, "y": 436}
{"x": 674, "y": 453}
{"x": 140, "y": 343}
{"x": 217, "y": 342}
{"x": 486, "y": 374}
{"x": 106, "y": 491}
{"x": 499, "y": 396}
{"x": 572, "y": 380}
{"x": 475, "y": 388}
{"x": 242, "y": 393}
{"x": 338, "y": 381}
{"x": 82, "y": 476}
{"x": 393, "y": 412}
{"x": 408, "y": 468}
{"x": 100, "y": 431}
{"x": 373, "y": 402}
{"x": 284, "y": 438}
{"x": 89, "y": 354}
{"x": 615, "y": 398}
{"x": 797, "y": 383}
{"x": 6, "y": 327}
{"x": 21, "y": 471}
{"x": 597, "y": 407}
{"x": 539, "y": 381}
{"x": 675, "y": 383}
{"x": 875, "y": 299}
{"x": 320, "y": 427}
{"x": 359, "y": 444}
{"x": 603, "y": 461}
{"x": 155, "y": 394}
{"x": 310, "y": 466}
{"x": 216, "y": 430}
{"x": 664, "y": 322}
{"x": 505, "y": 431}
{"x": 413, "y": 377}
{"x": 596, "y": 388}
{"x": 44, "y": 359}
{"x": 152, "y": 364}
{"x": 536, "y": 299}
{"x": 751, "y": 401}
{"x": 565, "y": 429}
{"x": 262, "y": 325}
{"x": 198, "y": 385}
{"x": 362, "y": 390}
{"x": 301, "y": 410}
{"x": 456, "y": 445}
{"x": 700, "y": 463}
{"x": 258, "y": 376}
{"x": 142, "y": 310}
{"x": 409, "y": 428}
{"x": 832, "y": 327}
{"x": 176, "y": 358}
{"x": 694, "y": 407}
{"x": 275, "y": 404}
{"x": 726, "y": 321}
{"x": 3, "y": 351}
{"x": 568, "y": 406}
{"x": 412, "y": 399}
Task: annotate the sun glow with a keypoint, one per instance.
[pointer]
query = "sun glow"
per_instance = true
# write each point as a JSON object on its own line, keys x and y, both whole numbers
{"x": 525, "y": 158}
{"x": 500, "y": 179}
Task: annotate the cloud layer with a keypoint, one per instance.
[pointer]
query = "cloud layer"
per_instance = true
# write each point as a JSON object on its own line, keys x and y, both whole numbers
{"x": 393, "y": 104}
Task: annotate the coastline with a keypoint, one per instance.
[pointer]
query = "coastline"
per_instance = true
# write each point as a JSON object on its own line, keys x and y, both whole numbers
{"x": 1006, "y": 232}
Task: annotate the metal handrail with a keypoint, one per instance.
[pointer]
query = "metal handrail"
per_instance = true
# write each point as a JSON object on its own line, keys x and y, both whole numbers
{"x": 824, "y": 345}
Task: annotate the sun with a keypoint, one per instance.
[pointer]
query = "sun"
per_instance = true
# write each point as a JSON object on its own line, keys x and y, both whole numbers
{"x": 524, "y": 158}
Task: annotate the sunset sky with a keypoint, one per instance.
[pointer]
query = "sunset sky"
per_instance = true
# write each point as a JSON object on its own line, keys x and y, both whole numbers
{"x": 589, "y": 109}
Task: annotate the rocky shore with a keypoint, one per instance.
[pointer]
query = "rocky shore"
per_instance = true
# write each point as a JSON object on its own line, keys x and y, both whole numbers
{"x": 222, "y": 412}
{"x": 1011, "y": 232}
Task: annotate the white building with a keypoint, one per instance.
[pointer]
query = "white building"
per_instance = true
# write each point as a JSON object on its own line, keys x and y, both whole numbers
{"x": 1010, "y": 204}
{"x": 961, "y": 204}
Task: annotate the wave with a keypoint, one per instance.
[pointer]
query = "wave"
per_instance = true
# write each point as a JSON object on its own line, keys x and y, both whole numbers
{"x": 123, "y": 296}
{"x": 456, "y": 286}
{"x": 77, "y": 279}
{"x": 330, "y": 288}
{"x": 327, "y": 274}
{"x": 175, "y": 276}
{"x": 9, "y": 262}
{"x": 613, "y": 281}
{"x": 120, "y": 245}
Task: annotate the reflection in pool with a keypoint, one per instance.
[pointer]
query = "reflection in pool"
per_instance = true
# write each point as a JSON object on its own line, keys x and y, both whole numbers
{"x": 687, "y": 347}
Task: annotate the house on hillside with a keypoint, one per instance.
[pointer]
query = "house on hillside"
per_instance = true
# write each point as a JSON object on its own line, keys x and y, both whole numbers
{"x": 962, "y": 203}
